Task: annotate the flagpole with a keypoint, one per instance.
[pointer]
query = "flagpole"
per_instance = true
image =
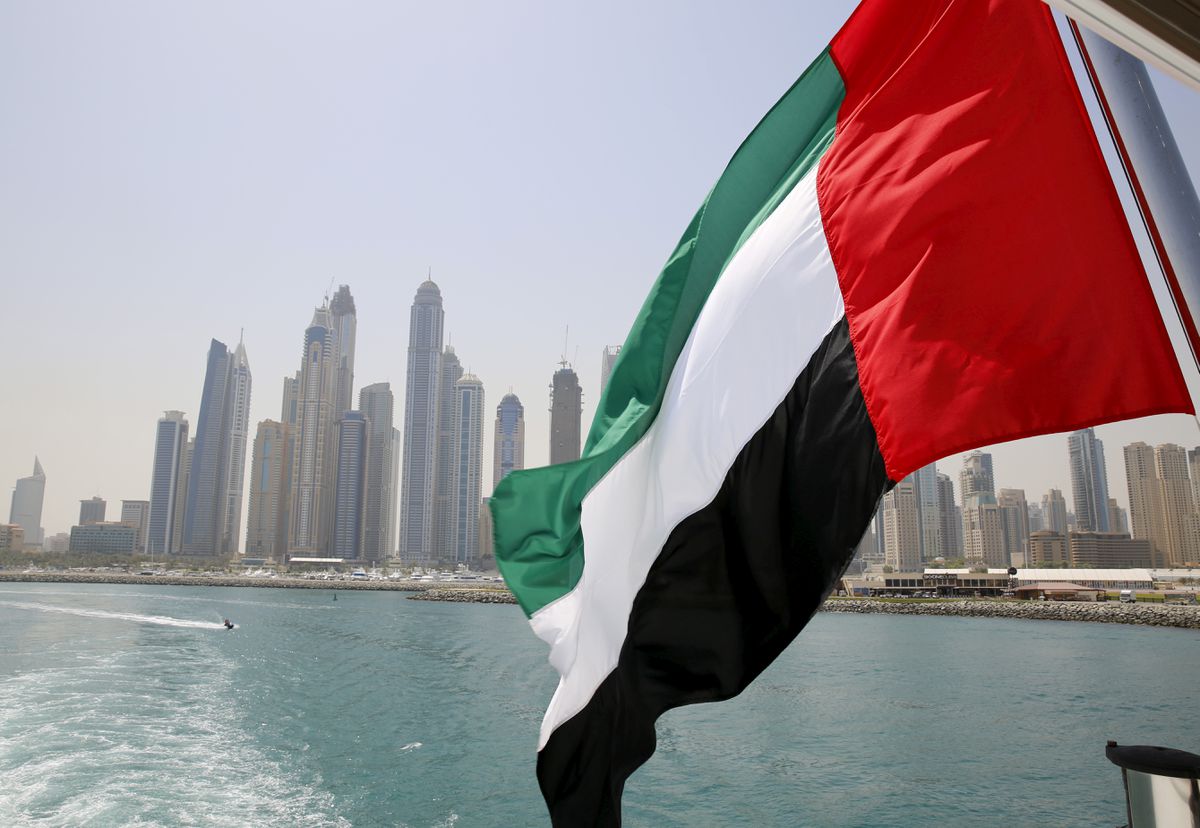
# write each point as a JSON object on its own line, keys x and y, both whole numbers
{"x": 1154, "y": 167}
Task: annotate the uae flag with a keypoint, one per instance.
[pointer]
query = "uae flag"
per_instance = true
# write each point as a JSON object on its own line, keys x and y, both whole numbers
{"x": 918, "y": 251}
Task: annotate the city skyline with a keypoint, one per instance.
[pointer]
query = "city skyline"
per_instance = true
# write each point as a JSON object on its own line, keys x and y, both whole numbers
{"x": 362, "y": 182}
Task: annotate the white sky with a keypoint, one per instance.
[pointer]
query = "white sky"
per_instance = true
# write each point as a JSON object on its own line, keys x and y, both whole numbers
{"x": 175, "y": 172}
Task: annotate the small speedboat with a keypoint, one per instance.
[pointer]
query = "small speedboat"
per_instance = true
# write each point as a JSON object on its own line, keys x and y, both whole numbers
{"x": 228, "y": 624}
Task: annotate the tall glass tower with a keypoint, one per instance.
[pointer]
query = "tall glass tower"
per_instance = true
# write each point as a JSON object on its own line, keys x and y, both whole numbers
{"x": 166, "y": 480}
{"x": 313, "y": 465}
{"x": 509, "y": 452}
{"x": 379, "y": 511}
{"x": 468, "y": 466}
{"x": 421, "y": 423}
{"x": 27, "y": 500}
{"x": 1089, "y": 481}
{"x": 212, "y": 522}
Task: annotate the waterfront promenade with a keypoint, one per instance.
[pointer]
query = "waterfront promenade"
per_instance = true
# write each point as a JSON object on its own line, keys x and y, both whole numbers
{"x": 492, "y": 592}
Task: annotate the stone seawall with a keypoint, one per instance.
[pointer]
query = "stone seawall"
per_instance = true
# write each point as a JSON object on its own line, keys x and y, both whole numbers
{"x": 1110, "y": 612}
{"x": 469, "y": 595}
{"x": 206, "y": 581}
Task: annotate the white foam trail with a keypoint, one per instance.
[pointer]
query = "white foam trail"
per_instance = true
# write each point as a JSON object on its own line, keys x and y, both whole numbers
{"x": 160, "y": 620}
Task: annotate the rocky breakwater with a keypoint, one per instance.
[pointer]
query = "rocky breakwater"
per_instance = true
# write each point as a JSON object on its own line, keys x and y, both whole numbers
{"x": 465, "y": 595}
{"x": 203, "y": 579}
{"x": 1110, "y": 612}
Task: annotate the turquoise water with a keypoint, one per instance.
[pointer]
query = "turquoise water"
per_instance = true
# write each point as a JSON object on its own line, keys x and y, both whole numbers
{"x": 123, "y": 705}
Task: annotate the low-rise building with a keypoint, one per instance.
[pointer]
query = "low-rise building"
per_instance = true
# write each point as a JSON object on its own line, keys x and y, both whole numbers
{"x": 12, "y": 537}
{"x": 1108, "y": 550}
{"x": 104, "y": 538}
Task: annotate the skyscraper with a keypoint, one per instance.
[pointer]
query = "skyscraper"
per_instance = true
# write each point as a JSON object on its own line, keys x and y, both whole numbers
{"x": 509, "y": 453}
{"x": 1145, "y": 507}
{"x": 468, "y": 466}
{"x": 1014, "y": 523}
{"x": 607, "y": 360}
{"x": 310, "y": 516}
{"x": 983, "y": 534}
{"x": 290, "y": 414}
{"x": 344, "y": 318}
{"x": 443, "y": 535}
{"x": 239, "y": 433}
{"x": 212, "y": 522}
{"x": 92, "y": 510}
{"x": 1089, "y": 481}
{"x": 1175, "y": 501}
{"x": 566, "y": 412}
{"x": 26, "y": 508}
{"x": 901, "y": 532}
{"x": 379, "y": 514}
{"x": 185, "y": 469}
{"x": 351, "y": 483}
{"x": 949, "y": 518}
{"x": 136, "y": 513}
{"x": 270, "y": 486}
{"x": 929, "y": 531}
{"x": 170, "y": 446}
{"x": 1054, "y": 512}
{"x": 976, "y": 475}
{"x": 421, "y": 423}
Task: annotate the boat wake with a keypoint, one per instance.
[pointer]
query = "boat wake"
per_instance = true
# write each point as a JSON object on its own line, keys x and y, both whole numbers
{"x": 159, "y": 620}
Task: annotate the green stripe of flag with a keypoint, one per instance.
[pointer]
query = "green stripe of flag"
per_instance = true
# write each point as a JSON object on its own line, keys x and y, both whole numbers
{"x": 539, "y": 545}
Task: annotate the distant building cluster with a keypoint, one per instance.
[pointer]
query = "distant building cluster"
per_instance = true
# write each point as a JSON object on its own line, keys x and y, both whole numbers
{"x": 920, "y": 521}
{"x": 327, "y": 480}
{"x": 331, "y": 481}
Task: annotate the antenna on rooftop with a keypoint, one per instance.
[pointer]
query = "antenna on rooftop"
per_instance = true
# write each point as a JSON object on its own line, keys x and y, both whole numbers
{"x": 563, "y": 356}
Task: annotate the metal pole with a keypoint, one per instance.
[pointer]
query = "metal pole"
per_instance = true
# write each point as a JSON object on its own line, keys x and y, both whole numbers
{"x": 1160, "y": 181}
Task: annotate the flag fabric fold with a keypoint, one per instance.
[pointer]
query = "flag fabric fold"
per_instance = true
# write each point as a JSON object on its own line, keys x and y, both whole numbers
{"x": 918, "y": 251}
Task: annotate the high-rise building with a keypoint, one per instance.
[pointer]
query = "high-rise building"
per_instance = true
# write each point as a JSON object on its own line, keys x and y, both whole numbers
{"x": 103, "y": 538}
{"x": 136, "y": 513}
{"x": 185, "y": 477}
{"x": 487, "y": 545}
{"x": 379, "y": 512}
{"x": 12, "y": 537}
{"x": 929, "y": 525}
{"x": 239, "y": 435}
{"x": 1193, "y": 456}
{"x": 270, "y": 486}
{"x": 949, "y": 518}
{"x": 1175, "y": 501}
{"x": 166, "y": 479}
{"x": 421, "y": 423}
{"x": 1054, "y": 512}
{"x": 444, "y": 518}
{"x": 509, "y": 454}
{"x": 290, "y": 414}
{"x": 607, "y": 360}
{"x": 1089, "y": 481}
{"x": 983, "y": 534}
{"x": 1036, "y": 519}
{"x": 393, "y": 530}
{"x": 468, "y": 466}
{"x": 901, "y": 532}
{"x": 976, "y": 475}
{"x": 26, "y": 509}
{"x": 344, "y": 319}
{"x": 310, "y": 516}
{"x": 1014, "y": 523}
{"x": 212, "y": 521}
{"x": 1118, "y": 522}
{"x": 351, "y": 483}
{"x": 92, "y": 510}
{"x": 566, "y": 413}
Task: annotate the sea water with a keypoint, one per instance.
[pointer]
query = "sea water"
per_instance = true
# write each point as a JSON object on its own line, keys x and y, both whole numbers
{"x": 132, "y": 705}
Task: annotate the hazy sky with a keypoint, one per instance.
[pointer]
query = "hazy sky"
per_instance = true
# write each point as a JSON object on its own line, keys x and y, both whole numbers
{"x": 170, "y": 173}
